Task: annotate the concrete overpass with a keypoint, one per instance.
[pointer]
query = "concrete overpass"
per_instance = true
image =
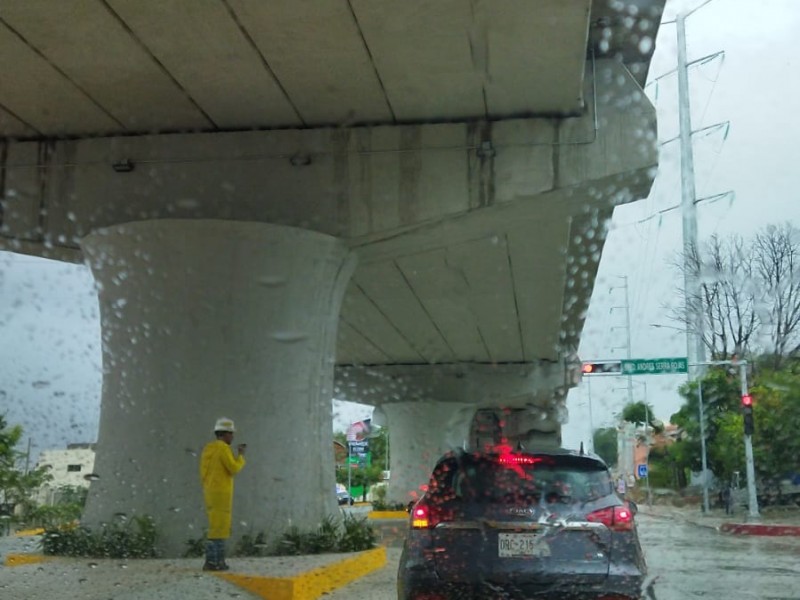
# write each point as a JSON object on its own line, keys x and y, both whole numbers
{"x": 411, "y": 193}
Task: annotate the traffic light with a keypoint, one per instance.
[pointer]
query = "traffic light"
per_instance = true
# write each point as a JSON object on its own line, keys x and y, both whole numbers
{"x": 606, "y": 367}
{"x": 747, "y": 413}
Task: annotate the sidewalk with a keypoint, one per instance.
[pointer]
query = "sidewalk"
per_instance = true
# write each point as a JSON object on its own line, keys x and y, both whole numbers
{"x": 25, "y": 573}
{"x": 772, "y": 522}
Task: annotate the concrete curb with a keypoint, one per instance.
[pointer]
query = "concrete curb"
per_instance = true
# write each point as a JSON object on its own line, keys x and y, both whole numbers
{"x": 19, "y": 559}
{"x": 388, "y": 514}
{"x": 29, "y": 532}
{"x": 760, "y": 529}
{"x": 311, "y": 584}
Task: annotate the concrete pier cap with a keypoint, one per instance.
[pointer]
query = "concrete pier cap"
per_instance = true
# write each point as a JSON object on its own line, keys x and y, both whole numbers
{"x": 204, "y": 318}
{"x": 433, "y": 409}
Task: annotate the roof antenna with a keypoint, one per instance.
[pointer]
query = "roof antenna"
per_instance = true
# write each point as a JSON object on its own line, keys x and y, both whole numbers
{"x": 582, "y": 453}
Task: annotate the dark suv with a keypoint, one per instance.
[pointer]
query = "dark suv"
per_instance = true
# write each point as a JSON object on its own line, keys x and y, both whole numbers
{"x": 513, "y": 525}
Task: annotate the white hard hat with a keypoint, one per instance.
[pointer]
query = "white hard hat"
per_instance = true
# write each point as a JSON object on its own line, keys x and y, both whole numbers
{"x": 224, "y": 424}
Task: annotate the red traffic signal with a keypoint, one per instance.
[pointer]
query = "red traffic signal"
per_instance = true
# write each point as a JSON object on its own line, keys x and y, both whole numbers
{"x": 605, "y": 367}
{"x": 747, "y": 401}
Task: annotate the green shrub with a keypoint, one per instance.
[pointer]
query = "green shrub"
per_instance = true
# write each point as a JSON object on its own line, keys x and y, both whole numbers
{"x": 53, "y": 516}
{"x": 358, "y": 535}
{"x": 252, "y": 546}
{"x": 353, "y": 535}
{"x": 135, "y": 538}
{"x": 195, "y": 548}
{"x": 382, "y": 505}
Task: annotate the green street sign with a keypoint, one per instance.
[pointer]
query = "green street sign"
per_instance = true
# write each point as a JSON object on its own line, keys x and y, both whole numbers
{"x": 655, "y": 366}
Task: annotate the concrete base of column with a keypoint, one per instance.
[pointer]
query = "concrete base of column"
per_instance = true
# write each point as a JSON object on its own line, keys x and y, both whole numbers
{"x": 203, "y": 319}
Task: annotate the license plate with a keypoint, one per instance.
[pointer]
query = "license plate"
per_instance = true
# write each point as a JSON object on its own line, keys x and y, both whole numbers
{"x": 522, "y": 544}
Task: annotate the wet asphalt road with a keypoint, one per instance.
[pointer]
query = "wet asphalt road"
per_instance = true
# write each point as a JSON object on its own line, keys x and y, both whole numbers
{"x": 688, "y": 561}
{"x": 695, "y": 562}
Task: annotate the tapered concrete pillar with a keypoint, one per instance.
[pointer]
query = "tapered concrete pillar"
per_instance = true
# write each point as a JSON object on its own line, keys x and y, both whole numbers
{"x": 419, "y": 433}
{"x": 203, "y": 319}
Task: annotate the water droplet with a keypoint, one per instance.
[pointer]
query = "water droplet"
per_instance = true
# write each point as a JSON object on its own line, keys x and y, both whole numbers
{"x": 289, "y": 336}
{"x": 187, "y": 203}
{"x": 271, "y": 281}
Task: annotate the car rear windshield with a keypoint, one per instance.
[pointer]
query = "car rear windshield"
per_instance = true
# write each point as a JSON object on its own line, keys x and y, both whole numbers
{"x": 493, "y": 478}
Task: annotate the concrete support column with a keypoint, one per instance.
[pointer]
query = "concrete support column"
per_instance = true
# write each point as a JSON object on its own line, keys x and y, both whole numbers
{"x": 419, "y": 433}
{"x": 207, "y": 318}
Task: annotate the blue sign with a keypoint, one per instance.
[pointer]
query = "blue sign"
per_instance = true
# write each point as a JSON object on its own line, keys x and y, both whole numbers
{"x": 641, "y": 471}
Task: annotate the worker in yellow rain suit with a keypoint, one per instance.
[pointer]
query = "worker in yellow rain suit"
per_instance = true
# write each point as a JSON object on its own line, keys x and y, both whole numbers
{"x": 217, "y": 468}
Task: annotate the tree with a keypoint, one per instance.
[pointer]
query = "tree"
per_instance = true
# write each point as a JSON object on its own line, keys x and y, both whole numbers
{"x": 17, "y": 486}
{"x": 776, "y": 409}
{"x": 777, "y": 260}
{"x": 748, "y": 295}
{"x": 605, "y": 444}
{"x": 638, "y": 413}
{"x": 721, "y": 395}
{"x": 726, "y": 296}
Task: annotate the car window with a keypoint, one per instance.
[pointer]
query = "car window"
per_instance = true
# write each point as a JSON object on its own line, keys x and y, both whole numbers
{"x": 488, "y": 481}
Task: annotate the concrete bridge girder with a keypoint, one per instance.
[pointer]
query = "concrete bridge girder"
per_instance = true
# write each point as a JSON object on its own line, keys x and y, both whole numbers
{"x": 365, "y": 184}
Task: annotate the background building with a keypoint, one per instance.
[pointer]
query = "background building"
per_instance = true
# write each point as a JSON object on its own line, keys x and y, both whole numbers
{"x": 69, "y": 467}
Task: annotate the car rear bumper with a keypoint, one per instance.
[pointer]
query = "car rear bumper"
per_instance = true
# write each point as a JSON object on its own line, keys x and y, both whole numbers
{"x": 425, "y": 585}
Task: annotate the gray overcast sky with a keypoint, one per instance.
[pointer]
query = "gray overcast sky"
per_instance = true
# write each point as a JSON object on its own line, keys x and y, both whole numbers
{"x": 755, "y": 87}
{"x": 50, "y": 376}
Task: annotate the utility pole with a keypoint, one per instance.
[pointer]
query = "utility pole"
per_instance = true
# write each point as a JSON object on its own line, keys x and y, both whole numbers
{"x": 627, "y": 328}
{"x": 591, "y": 420}
{"x": 748, "y": 449}
{"x": 695, "y": 351}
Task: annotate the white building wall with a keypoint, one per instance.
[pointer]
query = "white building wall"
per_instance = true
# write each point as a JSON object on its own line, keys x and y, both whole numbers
{"x": 68, "y": 467}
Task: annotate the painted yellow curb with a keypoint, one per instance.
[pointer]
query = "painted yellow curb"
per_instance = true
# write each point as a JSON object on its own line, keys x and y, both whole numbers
{"x": 17, "y": 560}
{"x": 387, "y": 514}
{"x": 29, "y": 532}
{"x": 312, "y": 584}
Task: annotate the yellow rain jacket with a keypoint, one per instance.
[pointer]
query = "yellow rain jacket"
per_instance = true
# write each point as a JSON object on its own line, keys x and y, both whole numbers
{"x": 217, "y": 468}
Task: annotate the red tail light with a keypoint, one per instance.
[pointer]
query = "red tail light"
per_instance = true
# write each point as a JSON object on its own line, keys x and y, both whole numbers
{"x": 618, "y": 518}
{"x": 426, "y": 516}
{"x": 421, "y": 517}
{"x": 518, "y": 459}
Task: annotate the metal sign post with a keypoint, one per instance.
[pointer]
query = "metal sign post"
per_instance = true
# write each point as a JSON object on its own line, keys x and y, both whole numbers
{"x": 748, "y": 452}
